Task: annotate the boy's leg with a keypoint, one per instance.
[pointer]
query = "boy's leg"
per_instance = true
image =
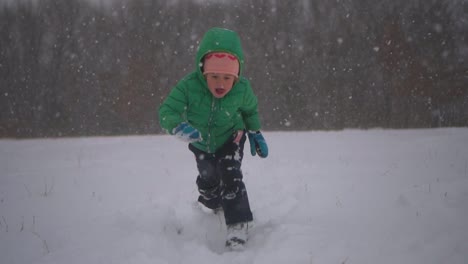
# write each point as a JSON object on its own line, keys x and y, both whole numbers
{"x": 234, "y": 194}
{"x": 208, "y": 181}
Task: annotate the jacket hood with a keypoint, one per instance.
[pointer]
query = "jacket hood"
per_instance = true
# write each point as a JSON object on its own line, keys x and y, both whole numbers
{"x": 219, "y": 40}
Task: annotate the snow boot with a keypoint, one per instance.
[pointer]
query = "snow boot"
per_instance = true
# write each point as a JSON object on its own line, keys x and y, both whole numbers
{"x": 237, "y": 236}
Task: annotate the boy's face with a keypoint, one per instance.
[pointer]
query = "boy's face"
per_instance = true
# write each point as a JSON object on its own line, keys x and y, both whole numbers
{"x": 219, "y": 83}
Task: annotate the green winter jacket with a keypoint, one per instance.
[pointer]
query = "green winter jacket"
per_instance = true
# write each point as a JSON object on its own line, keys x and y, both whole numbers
{"x": 216, "y": 118}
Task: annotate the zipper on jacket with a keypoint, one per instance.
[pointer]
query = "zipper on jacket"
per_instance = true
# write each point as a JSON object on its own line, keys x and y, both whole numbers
{"x": 210, "y": 120}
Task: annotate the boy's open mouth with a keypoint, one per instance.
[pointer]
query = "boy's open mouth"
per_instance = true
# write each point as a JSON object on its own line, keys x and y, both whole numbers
{"x": 220, "y": 91}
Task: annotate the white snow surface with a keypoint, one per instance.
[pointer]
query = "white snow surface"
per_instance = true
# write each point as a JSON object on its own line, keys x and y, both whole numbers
{"x": 352, "y": 196}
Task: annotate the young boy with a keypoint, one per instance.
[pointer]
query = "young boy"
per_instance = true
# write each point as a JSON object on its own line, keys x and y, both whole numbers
{"x": 214, "y": 109}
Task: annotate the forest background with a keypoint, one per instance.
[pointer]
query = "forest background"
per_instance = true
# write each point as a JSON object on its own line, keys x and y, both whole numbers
{"x": 84, "y": 68}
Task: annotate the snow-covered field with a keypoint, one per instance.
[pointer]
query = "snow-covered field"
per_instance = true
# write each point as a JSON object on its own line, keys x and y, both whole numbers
{"x": 376, "y": 196}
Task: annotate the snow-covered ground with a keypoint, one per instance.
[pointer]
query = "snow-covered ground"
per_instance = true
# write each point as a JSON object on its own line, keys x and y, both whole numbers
{"x": 376, "y": 196}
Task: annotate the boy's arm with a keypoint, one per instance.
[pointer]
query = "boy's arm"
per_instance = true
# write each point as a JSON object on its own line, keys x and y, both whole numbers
{"x": 172, "y": 110}
{"x": 250, "y": 110}
{"x": 257, "y": 142}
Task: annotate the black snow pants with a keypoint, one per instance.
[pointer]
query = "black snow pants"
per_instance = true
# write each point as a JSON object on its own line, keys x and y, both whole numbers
{"x": 220, "y": 179}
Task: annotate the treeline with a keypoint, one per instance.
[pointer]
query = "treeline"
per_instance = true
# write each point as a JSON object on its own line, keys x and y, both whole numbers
{"x": 76, "y": 68}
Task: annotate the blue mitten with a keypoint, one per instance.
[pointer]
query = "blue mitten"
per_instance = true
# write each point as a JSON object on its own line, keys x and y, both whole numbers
{"x": 257, "y": 144}
{"x": 187, "y": 133}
